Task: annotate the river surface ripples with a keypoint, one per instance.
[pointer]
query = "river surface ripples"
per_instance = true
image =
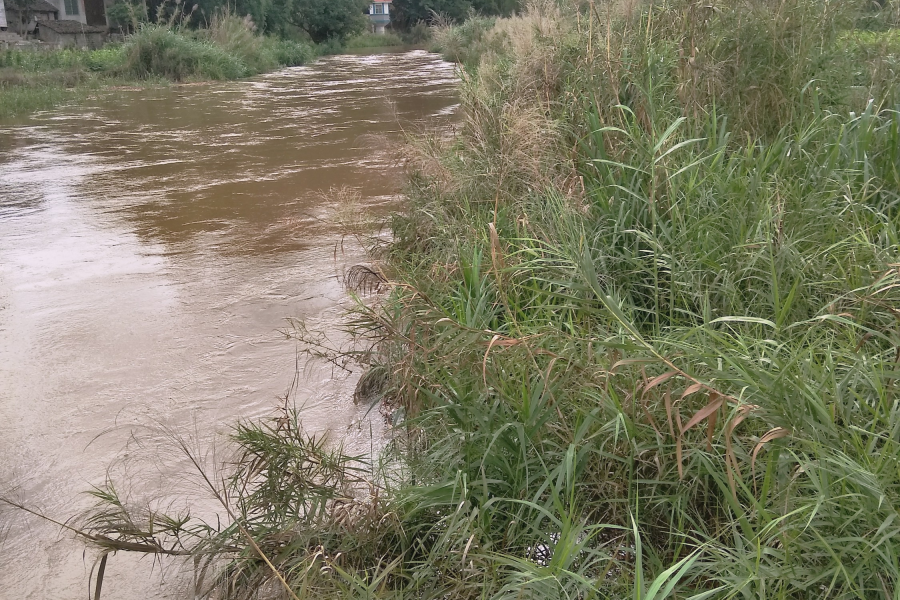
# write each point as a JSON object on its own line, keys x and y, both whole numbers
{"x": 153, "y": 243}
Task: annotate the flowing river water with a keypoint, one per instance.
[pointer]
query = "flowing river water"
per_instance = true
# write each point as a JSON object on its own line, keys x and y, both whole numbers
{"x": 153, "y": 243}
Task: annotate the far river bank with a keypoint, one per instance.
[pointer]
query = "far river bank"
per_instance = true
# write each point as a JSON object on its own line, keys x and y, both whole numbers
{"x": 35, "y": 78}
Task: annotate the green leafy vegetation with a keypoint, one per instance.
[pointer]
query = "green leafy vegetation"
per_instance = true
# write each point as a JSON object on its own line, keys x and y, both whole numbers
{"x": 374, "y": 40}
{"x": 316, "y": 20}
{"x": 410, "y": 12}
{"x": 126, "y": 15}
{"x": 332, "y": 19}
{"x": 230, "y": 48}
{"x": 465, "y": 42}
{"x": 418, "y": 35}
{"x": 640, "y": 335}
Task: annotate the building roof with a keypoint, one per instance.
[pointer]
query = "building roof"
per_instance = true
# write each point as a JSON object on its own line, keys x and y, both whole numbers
{"x": 41, "y": 6}
{"x": 71, "y": 27}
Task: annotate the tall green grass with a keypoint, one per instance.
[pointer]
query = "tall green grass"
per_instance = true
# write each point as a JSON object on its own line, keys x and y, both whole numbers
{"x": 373, "y": 40}
{"x": 229, "y": 48}
{"x": 462, "y": 42}
{"x": 161, "y": 51}
{"x": 642, "y": 337}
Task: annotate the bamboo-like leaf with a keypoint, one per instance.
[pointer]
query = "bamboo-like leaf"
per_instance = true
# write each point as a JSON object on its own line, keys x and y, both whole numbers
{"x": 631, "y": 361}
{"x": 710, "y": 430}
{"x": 772, "y": 434}
{"x": 101, "y": 571}
{"x": 676, "y": 147}
{"x": 743, "y": 413}
{"x": 678, "y": 457}
{"x": 486, "y": 354}
{"x": 691, "y": 389}
{"x": 666, "y": 581}
{"x": 667, "y": 134}
{"x": 658, "y": 380}
{"x": 730, "y": 459}
{"x": 756, "y": 320}
{"x": 714, "y": 404}
{"x": 667, "y": 399}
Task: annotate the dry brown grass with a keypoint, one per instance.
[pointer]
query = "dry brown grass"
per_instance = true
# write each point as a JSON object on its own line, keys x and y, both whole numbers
{"x": 510, "y": 127}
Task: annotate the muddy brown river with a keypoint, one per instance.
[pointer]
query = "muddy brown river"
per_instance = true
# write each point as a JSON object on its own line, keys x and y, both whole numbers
{"x": 153, "y": 243}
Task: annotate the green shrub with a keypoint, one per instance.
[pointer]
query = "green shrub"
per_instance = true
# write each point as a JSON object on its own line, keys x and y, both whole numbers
{"x": 289, "y": 53}
{"x": 330, "y": 47}
{"x": 417, "y": 35}
{"x": 127, "y": 15}
{"x": 156, "y": 51}
{"x": 229, "y": 49}
{"x": 237, "y": 36}
{"x": 32, "y": 61}
{"x": 109, "y": 59}
{"x": 373, "y": 40}
{"x": 465, "y": 42}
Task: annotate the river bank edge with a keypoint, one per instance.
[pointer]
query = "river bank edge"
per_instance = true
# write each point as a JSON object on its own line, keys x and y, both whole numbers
{"x": 35, "y": 80}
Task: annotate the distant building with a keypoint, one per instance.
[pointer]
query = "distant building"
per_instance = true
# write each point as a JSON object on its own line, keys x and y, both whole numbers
{"x": 24, "y": 19}
{"x": 72, "y": 34}
{"x": 86, "y": 12}
{"x": 380, "y": 15}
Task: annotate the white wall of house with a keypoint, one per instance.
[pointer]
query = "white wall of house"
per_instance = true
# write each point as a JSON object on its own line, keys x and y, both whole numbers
{"x": 380, "y": 15}
{"x": 70, "y": 10}
{"x": 2, "y": 15}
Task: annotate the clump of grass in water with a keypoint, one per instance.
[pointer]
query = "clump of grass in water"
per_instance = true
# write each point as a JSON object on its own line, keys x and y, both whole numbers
{"x": 642, "y": 323}
{"x": 18, "y": 99}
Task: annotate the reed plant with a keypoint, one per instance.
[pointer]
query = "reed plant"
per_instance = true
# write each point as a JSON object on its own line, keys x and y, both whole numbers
{"x": 462, "y": 42}
{"x": 642, "y": 330}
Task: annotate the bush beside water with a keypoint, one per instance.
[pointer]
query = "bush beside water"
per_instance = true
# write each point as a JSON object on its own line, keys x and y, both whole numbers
{"x": 641, "y": 334}
{"x": 229, "y": 48}
{"x": 464, "y": 42}
{"x": 373, "y": 40}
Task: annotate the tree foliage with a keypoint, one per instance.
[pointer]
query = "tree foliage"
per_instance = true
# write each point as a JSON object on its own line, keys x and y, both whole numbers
{"x": 319, "y": 19}
{"x": 326, "y": 19}
{"x": 322, "y": 20}
{"x": 409, "y": 12}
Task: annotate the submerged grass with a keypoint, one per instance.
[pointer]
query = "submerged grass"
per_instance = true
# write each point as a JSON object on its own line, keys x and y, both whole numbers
{"x": 642, "y": 337}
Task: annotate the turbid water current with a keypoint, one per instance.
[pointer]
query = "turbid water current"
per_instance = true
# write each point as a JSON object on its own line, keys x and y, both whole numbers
{"x": 152, "y": 244}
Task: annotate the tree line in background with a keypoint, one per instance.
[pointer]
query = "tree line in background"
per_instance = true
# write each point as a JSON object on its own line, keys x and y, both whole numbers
{"x": 320, "y": 20}
{"x": 409, "y": 12}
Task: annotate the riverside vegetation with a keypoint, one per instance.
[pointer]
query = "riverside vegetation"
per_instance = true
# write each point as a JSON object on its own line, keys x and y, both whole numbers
{"x": 229, "y": 48}
{"x": 171, "y": 50}
{"x": 638, "y": 331}
{"x": 167, "y": 42}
